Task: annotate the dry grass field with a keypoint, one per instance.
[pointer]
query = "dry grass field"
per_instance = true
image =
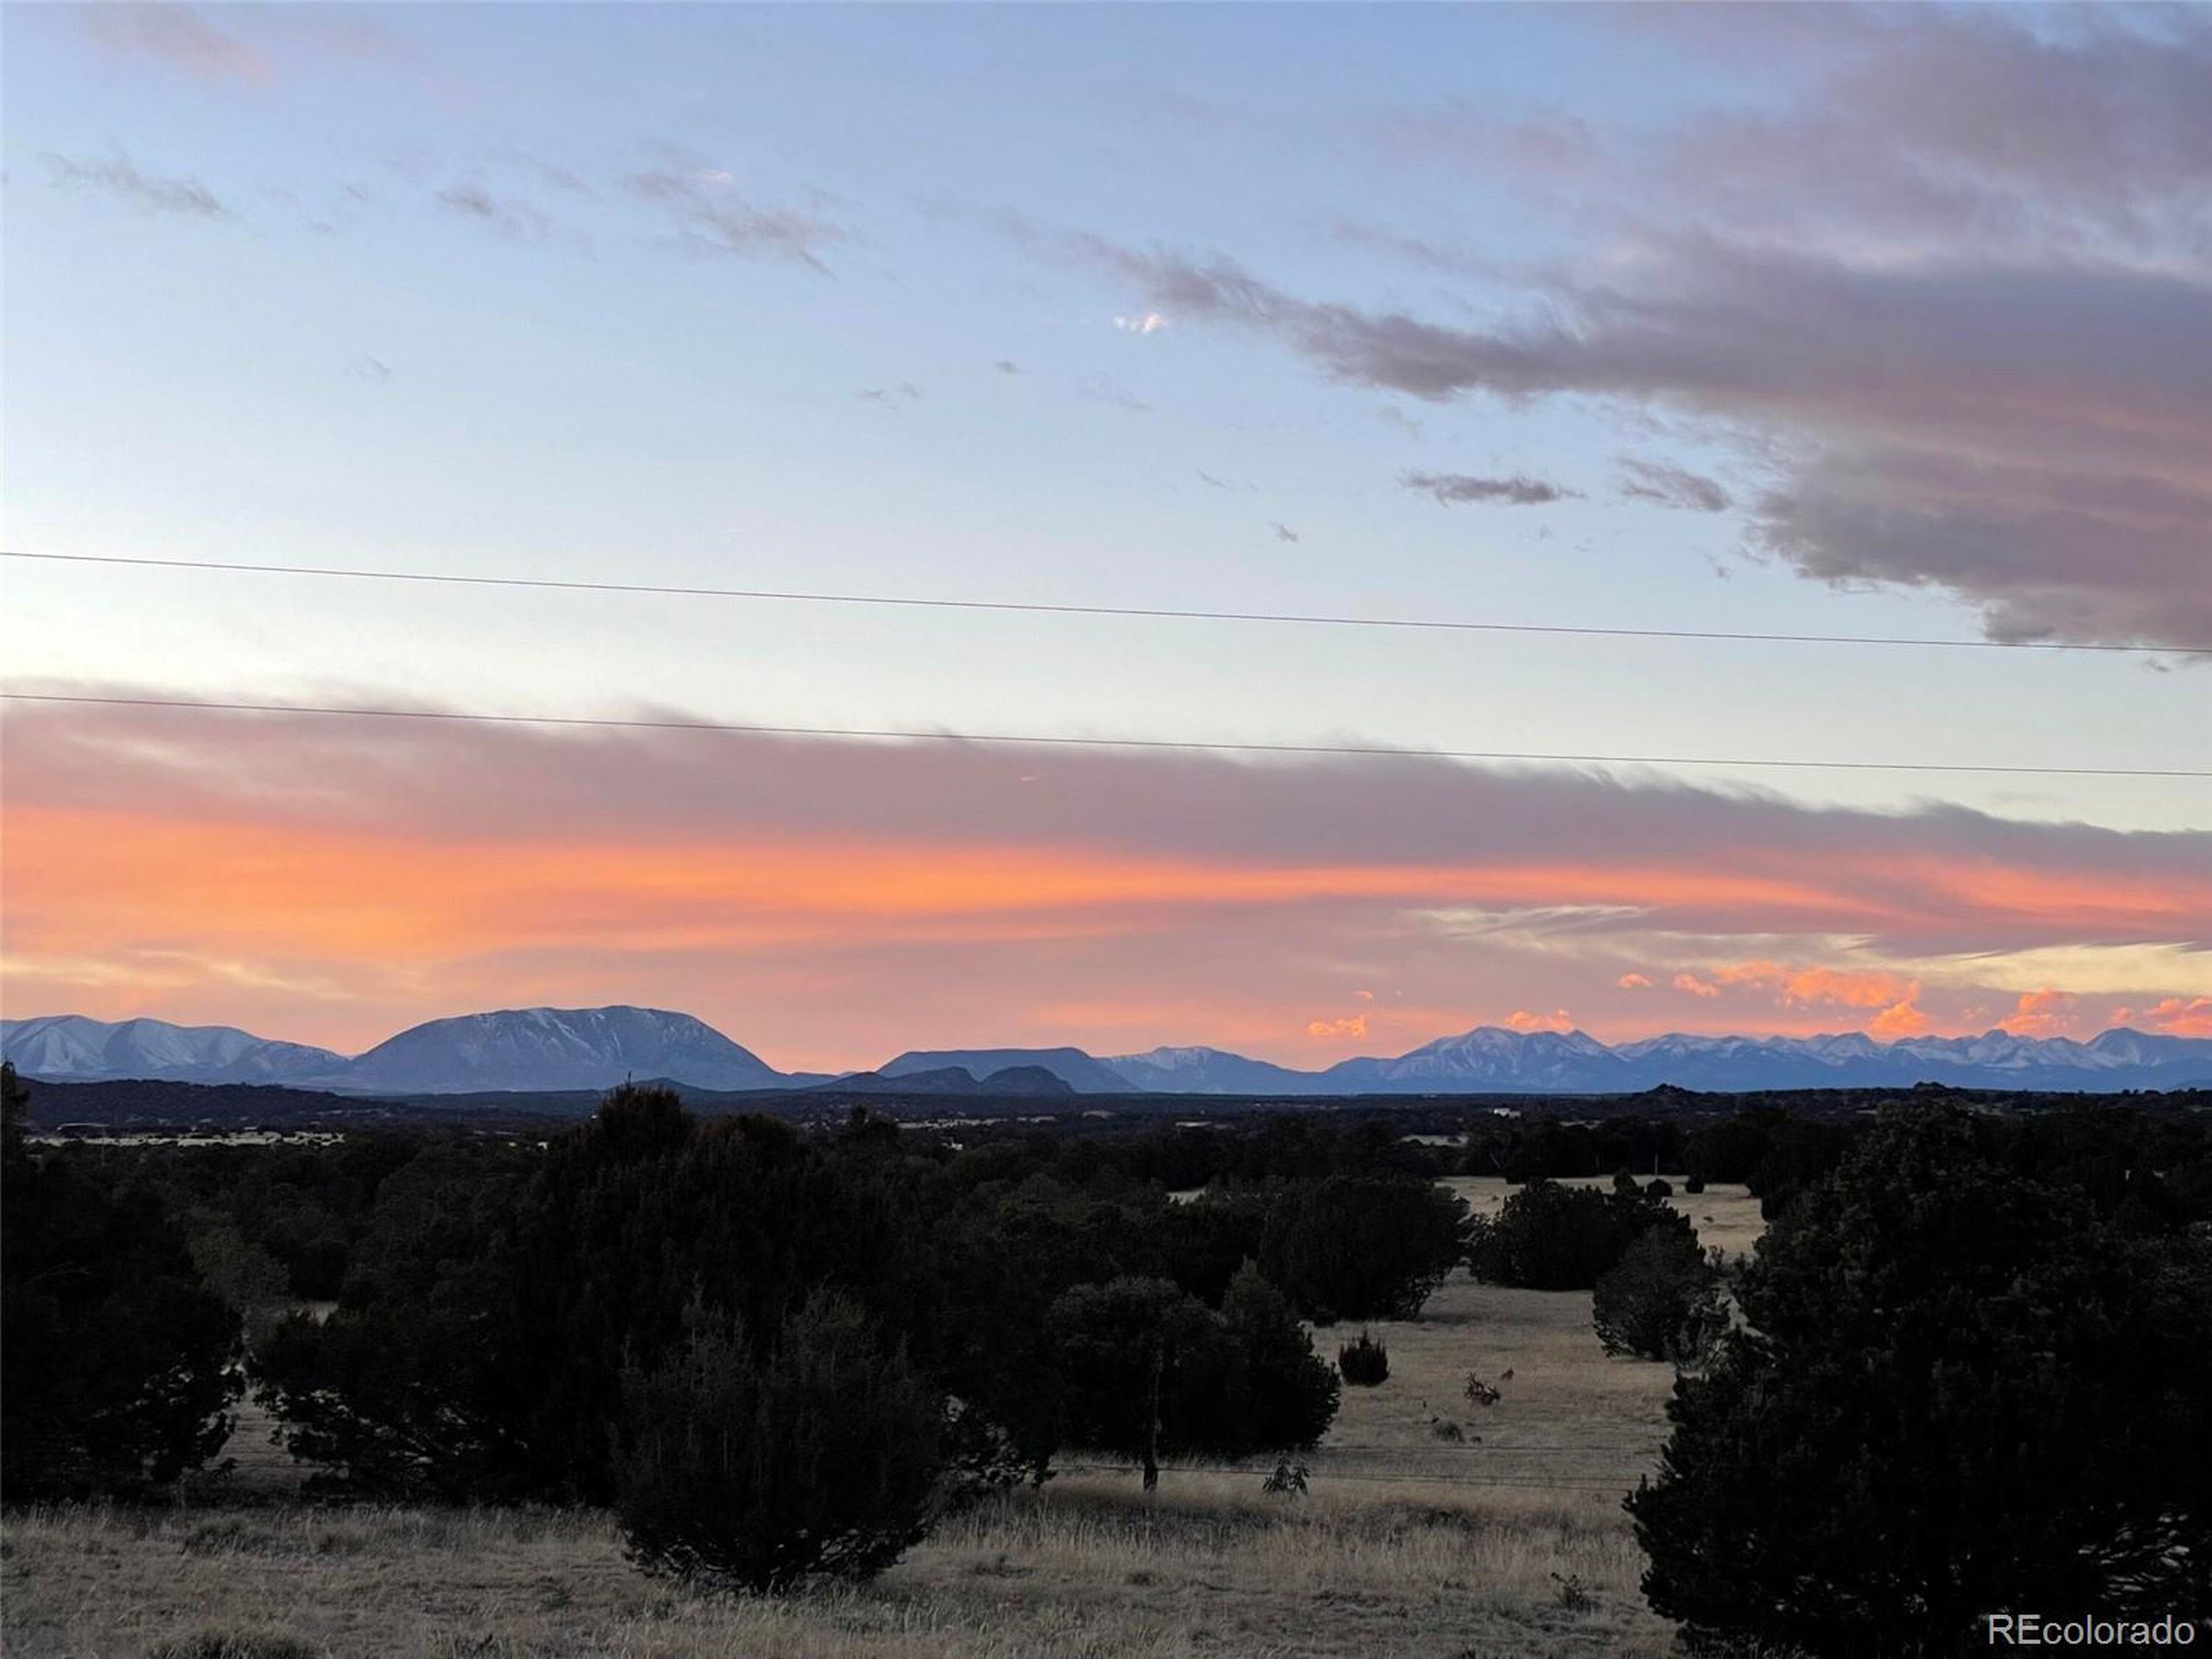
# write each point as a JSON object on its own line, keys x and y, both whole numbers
{"x": 1507, "y": 1541}
{"x": 1726, "y": 1215}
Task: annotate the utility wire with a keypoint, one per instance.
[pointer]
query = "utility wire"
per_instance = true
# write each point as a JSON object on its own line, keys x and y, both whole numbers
{"x": 1180, "y": 744}
{"x": 1025, "y": 607}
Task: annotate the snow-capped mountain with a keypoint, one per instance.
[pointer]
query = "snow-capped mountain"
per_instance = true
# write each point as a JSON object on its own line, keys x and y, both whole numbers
{"x": 1198, "y": 1070}
{"x": 1488, "y": 1057}
{"x": 69, "y": 1045}
{"x": 554, "y": 1049}
{"x": 1079, "y": 1071}
{"x": 573, "y": 1049}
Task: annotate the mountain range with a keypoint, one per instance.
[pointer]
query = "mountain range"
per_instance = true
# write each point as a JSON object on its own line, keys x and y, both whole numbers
{"x": 534, "y": 1050}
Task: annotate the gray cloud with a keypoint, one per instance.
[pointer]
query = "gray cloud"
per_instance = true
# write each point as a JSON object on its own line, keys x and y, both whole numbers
{"x": 1908, "y": 387}
{"x": 712, "y": 217}
{"x": 1097, "y": 389}
{"x": 2078, "y": 130}
{"x": 118, "y": 178}
{"x": 1283, "y": 532}
{"x": 1953, "y": 302}
{"x": 891, "y": 397}
{"x": 1519, "y": 491}
{"x": 1672, "y": 487}
{"x": 505, "y": 215}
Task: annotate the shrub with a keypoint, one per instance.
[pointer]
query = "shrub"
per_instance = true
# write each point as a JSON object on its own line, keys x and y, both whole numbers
{"x": 1288, "y": 1480}
{"x": 1695, "y": 1183}
{"x": 1655, "y": 1188}
{"x": 1292, "y": 1394}
{"x": 1959, "y": 1389}
{"x": 116, "y": 1359}
{"x": 1552, "y": 1237}
{"x": 1365, "y": 1363}
{"x": 1146, "y": 1372}
{"x": 819, "y": 1460}
{"x": 1363, "y": 1247}
{"x": 1662, "y": 1300}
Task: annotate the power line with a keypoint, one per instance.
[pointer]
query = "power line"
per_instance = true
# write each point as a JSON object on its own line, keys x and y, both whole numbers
{"x": 1376, "y": 751}
{"x": 1157, "y": 613}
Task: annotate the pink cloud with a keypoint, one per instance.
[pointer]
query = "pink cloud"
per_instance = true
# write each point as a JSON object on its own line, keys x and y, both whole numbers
{"x": 1901, "y": 1020}
{"x": 2178, "y": 1017}
{"x": 198, "y": 867}
{"x": 2040, "y": 1013}
{"x": 1557, "y": 1019}
{"x": 1352, "y": 1025}
{"x": 1633, "y": 983}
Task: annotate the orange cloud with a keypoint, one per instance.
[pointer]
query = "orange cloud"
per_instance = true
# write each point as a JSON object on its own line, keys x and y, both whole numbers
{"x": 1809, "y": 987}
{"x": 1900, "y": 1020}
{"x": 1354, "y": 1025}
{"x": 2180, "y": 1018}
{"x": 331, "y": 880}
{"x": 2039, "y": 1014}
{"x": 1557, "y": 1019}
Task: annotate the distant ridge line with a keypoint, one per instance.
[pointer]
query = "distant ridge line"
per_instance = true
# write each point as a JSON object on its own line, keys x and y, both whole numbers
{"x": 577, "y": 1050}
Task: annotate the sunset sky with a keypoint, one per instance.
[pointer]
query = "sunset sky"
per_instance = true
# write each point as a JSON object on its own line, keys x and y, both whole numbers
{"x": 1801, "y": 320}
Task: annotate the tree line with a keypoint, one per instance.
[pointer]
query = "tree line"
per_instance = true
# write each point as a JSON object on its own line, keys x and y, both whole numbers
{"x": 1967, "y": 1369}
{"x": 772, "y": 1352}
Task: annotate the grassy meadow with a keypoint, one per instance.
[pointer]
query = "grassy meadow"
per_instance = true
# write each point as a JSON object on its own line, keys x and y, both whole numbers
{"x": 1432, "y": 1526}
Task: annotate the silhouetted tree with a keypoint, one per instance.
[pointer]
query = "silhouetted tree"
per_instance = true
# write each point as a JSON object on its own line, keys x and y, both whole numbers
{"x": 1149, "y": 1372}
{"x": 1660, "y": 1300}
{"x": 116, "y": 1360}
{"x": 760, "y": 1471}
{"x": 1960, "y": 1390}
{"x": 1292, "y": 1394}
{"x": 1547, "y": 1236}
{"x": 1360, "y": 1247}
{"x": 1365, "y": 1363}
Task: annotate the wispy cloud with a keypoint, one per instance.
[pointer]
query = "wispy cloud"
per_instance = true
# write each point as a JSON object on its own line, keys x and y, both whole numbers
{"x": 177, "y": 37}
{"x": 507, "y": 215}
{"x": 711, "y": 217}
{"x": 1672, "y": 487}
{"x": 1519, "y": 489}
{"x": 118, "y": 177}
{"x": 891, "y": 397}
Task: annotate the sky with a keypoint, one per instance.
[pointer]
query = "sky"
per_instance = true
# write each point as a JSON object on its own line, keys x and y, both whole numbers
{"x": 1771, "y": 320}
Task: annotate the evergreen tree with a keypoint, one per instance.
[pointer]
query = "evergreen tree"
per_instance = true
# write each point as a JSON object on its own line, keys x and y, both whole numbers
{"x": 1292, "y": 1394}
{"x": 1149, "y": 1372}
{"x": 1960, "y": 1391}
{"x": 1660, "y": 1300}
{"x": 819, "y": 1458}
{"x": 117, "y": 1361}
{"x": 1361, "y": 1247}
